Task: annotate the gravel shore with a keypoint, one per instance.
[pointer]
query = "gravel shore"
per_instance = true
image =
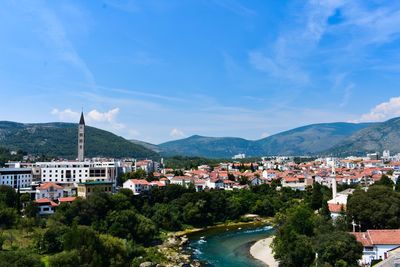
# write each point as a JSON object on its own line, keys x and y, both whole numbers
{"x": 262, "y": 251}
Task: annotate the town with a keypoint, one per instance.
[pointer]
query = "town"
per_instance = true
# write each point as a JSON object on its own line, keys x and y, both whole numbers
{"x": 50, "y": 184}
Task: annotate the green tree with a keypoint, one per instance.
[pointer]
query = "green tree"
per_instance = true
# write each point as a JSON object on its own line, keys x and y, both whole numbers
{"x": 385, "y": 180}
{"x": 51, "y": 241}
{"x": 8, "y": 216}
{"x": 65, "y": 259}
{"x": 378, "y": 208}
{"x": 19, "y": 258}
{"x": 292, "y": 244}
{"x": 8, "y": 196}
{"x": 337, "y": 246}
{"x": 317, "y": 196}
{"x": 397, "y": 186}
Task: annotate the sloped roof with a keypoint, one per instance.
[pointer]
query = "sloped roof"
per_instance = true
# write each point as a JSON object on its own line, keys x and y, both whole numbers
{"x": 378, "y": 237}
{"x": 48, "y": 185}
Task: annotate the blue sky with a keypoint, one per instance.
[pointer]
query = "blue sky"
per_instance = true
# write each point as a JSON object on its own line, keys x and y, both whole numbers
{"x": 162, "y": 70}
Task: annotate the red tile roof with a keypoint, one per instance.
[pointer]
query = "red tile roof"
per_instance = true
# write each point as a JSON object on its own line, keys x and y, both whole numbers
{"x": 46, "y": 201}
{"x": 139, "y": 181}
{"x": 66, "y": 199}
{"x": 336, "y": 208}
{"x": 48, "y": 185}
{"x": 378, "y": 237}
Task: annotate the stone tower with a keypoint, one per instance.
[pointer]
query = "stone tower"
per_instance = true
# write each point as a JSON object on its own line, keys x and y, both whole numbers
{"x": 333, "y": 181}
{"x": 81, "y": 139}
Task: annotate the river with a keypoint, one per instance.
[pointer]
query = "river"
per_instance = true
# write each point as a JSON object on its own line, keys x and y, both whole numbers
{"x": 227, "y": 247}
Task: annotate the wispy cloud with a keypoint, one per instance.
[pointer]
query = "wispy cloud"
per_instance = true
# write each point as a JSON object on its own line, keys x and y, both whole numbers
{"x": 284, "y": 59}
{"x": 66, "y": 114}
{"x": 55, "y": 33}
{"x": 383, "y": 111}
{"x": 177, "y": 134}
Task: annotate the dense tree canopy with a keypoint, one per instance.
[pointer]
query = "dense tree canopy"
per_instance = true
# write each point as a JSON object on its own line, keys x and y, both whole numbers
{"x": 303, "y": 234}
{"x": 377, "y": 208}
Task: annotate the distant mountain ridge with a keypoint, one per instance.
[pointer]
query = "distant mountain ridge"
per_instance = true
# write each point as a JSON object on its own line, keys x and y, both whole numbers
{"x": 306, "y": 140}
{"x": 376, "y": 138}
{"x": 60, "y": 140}
{"x": 337, "y": 139}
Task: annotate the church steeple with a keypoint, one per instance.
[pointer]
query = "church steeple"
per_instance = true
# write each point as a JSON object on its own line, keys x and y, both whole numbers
{"x": 81, "y": 139}
{"x": 82, "y": 120}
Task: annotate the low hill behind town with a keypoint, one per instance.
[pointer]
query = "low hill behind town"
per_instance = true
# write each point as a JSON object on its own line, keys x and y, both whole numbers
{"x": 60, "y": 139}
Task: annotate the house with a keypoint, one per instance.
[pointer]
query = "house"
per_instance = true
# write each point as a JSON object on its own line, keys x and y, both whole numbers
{"x": 215, "y": 183}
{"x": 377, "y": 243}
{"x": 200, "y": 185}
{"x": 49, "y": 190}
{"x": 182, "y": 180}
{"x": 229, "y": 185}
{"x": 137, "y": 185}
{"x": 45, "y": 206}
{"x": 87, "y": 188}
{"x": 256, "y": 180}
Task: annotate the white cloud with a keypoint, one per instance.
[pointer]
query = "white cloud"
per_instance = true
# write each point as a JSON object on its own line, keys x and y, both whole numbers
{"x": 265, "y": 134}
{"x": 66, "y": 114}
{"x": 108, "y": 116}
{"x": 383, "y": 111}
{"x": 176, "y": 133}
{"x": 105, "y": 120}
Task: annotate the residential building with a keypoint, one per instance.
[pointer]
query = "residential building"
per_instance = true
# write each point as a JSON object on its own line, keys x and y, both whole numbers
{"x": 45, "y": 206}
{"x": 137, "y": 186}
{"x": 87, "y": 188}
{"x": 182, "y": 180}
{"x": 49, "y": 190}
{"x": 16, "y": 177}
{"x": 73, "y": 172}
{"x": 377, "y": 243}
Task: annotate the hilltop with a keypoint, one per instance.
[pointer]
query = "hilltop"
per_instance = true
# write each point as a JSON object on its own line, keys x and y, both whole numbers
{"x": 60, "y": 139}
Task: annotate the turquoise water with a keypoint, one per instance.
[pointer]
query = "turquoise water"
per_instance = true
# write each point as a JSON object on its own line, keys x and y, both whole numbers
{"x": 228, "y": 247}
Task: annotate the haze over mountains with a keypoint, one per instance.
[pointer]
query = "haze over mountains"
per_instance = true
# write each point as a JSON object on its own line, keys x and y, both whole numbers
{"x": 339, "y": 139}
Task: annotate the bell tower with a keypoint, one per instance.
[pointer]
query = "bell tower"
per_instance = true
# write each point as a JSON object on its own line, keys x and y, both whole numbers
{"x": 81, "y": 139}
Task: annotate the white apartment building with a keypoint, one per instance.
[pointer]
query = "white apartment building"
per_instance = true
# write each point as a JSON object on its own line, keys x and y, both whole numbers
{"x": 16, "y": 177}
{"x": 73, "y": 172}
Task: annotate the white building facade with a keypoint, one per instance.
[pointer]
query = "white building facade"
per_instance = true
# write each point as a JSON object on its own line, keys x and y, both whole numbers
{"x": 16, "y": 177}
{"x": 72, "y": 172}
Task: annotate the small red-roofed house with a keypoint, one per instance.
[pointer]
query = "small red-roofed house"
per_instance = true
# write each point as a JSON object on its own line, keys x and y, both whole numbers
{"x": 49, "y": 190}
{"x": 46, "y": 206}
{"x": 137, "y": 185}
{"x": 377, "y": 243}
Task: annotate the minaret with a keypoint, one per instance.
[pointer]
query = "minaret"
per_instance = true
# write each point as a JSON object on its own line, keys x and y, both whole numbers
{"x": 333, "y": 181}
{"x": 81, "y": 139}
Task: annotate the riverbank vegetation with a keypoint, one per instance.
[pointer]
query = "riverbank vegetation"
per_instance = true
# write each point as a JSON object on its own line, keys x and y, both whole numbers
{"x": 126, "y": 230}
{"x": 123, "y": 229}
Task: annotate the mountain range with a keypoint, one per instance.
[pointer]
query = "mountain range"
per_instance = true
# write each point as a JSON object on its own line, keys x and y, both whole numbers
{"x": 338, "y": 139}
{"x": 306, "y": 140}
